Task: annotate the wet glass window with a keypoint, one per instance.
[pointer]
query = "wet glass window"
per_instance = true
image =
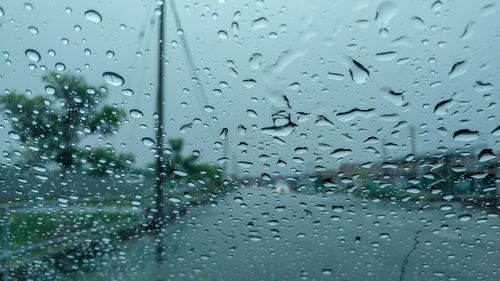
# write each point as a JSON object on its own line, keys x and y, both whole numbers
{"x": 249, "y": 140}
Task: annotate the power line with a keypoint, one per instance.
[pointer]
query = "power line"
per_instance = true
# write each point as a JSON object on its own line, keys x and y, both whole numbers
{"x": 191, "y": 66}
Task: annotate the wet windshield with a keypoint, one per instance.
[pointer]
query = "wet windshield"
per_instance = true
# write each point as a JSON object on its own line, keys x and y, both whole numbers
{"x": 249, "y": 140}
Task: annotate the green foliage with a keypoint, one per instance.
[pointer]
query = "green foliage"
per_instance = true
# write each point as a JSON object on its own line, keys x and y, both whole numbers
{"x": 52, "y": 125}
{"x": 176, "y": 164}
{"x": 105, "y": 160}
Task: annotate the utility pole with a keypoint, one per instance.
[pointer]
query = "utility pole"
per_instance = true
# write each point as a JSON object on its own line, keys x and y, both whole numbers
{"x": 225, "y": 173}
{"x": 413, "y": 143}
{"x": 384, "y": 151}
{"x": 159, "y": 171}
{"x": 236, "y": 170}
{"x": 159, "y": 175}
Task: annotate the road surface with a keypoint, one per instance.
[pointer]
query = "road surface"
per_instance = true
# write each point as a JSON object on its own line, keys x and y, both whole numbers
{"x": 259, "y": 234}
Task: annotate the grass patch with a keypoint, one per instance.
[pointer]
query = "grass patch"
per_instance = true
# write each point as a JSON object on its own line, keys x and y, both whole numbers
{"x": 29, "y": 228}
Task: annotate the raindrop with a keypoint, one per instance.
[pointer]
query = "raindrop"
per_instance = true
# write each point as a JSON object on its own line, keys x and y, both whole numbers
{"x": 436, "y": 6}
{"x": 33, "y": 29}
{"x": 127, "y": 92}
{"x": 384, "y": 235}
{"x": 358, "y": 72}
{"x": 259, "y": 23}
{"x": 60, "y": 66}
{"x": 442, "y": 107}
{"x": 15, "y": 135}
{"x": 135, "y": 113}
{"x": 280, "y": 131}
{"x": 245, "y": 164}
{"x": 39, "y": 168}
{"x": 249, "y": 83}
{"x": 394, "y": 97}
{"x": 180, "y": 173}
{"x": 488, "y": 10}
{"x": 418, "y": 23}
{"x": 385, "y": 12}
{"x": 255, "y": 61}
{"x": 466, "y": 135}
{"x": 482, "y": 87}
{"x": 468, "y": 30}
{"x": 113, "y": 79}
{"x": 326, "y": 271}
{"x": 223, "y": 133}
{"x": 458, "y": 69}
{"x": 465, "y": 217}
{"x": 93, "y": 16}
{"x": 50, "y": 90}
{"x": 148, "y": 141}
{"x": 486, "y": 155}
{"x": 496, "y": 131}
{"x": 386, "y": 56}
{"x": 355, "y": 113}
{"x": 335, "y": 76}
{"x": 209, "y": 109}
{"x": 222, "y": 34}
{"x": 174, "y": 199}
{"x": 412, "y": 190}
{"x": 341, "y": 152}
{"x": 32, "y": 55}
{"x": 251, "y": 113}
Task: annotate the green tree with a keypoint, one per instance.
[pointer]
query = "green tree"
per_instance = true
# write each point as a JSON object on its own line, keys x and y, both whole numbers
{"x": 181, "y": 168}
{"x": 51, "y": 126}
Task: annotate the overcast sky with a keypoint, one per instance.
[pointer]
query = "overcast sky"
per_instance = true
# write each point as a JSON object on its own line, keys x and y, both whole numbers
{"x": 249, "y": 54}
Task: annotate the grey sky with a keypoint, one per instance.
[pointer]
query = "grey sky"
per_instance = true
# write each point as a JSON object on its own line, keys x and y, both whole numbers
{"x": 299, "y": 42}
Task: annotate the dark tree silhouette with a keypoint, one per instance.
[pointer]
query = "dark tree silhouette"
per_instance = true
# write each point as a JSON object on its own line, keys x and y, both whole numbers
{"x": 51, "y": 126}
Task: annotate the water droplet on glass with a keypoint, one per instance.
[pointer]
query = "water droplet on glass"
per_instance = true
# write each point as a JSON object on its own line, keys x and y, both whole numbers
{"x": 442, "y": 107}
{"x": 222, "y": 34}
{"x": 113, "y": 78}
{"x": 15, "y": 135}
{"x": 385, "y": 12}
{"x": 465, "y": 217}
{"x": 386, "y": 56}
{"x": 93, "y": 16}
{"x": 496, "y": 131}
{"x": 209, "y": 108}
{"x": 359, "y": 73}
{"x": 60, "y": 66}
{"x": 127, "y": 92}
{"x": 326, "y": 271}
{"x": 223, "y": 133}
{"x": 341, "y": 152}
{"x": 249, "y": 83}
{"x": 251, "y": 113}
{"x": 259, "y": 23}
{"x": 458, "y": 69}
{"x": 466, "y": 135}
{"x": 245, "y": 164}
{"x": 413, "y": 190}
{"x": 486, "y": 155}
{"x": 148, "y": 141}
{"x": 255, "y": 61}
{"x": 135, "y": 113}
{"x": 33, "y": 29}
{"x": 50, "y": 90}
{"x": 33, "y": 55}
